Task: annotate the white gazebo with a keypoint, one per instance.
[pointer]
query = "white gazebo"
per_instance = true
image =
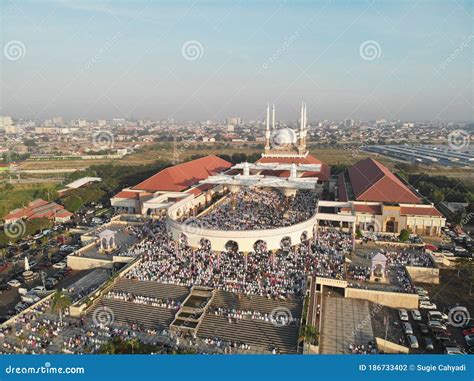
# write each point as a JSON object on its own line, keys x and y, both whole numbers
{"x": 378, "y": 268}
{"x": 107, "y": 240}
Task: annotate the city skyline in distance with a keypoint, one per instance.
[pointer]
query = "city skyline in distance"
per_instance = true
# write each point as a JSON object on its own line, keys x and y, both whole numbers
{"x": 210, "y": 60}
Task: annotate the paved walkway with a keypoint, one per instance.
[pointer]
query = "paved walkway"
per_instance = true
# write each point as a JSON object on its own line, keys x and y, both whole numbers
{"x": 345, "y": 321}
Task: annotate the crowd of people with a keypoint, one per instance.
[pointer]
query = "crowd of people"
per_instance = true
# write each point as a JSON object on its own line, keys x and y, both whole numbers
{"x": 262, "y": 272}
{"x": 415, "y": 258}
{"x": 358, "y": 273}
{"x": 259, "y": 209}
{"x": 141, "y": 299}
{"x": 233, "y": 314}
{"x": 361, "y": 349}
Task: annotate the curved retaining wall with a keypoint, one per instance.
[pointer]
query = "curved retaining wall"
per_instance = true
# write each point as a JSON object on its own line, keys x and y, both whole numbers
{"x": 244, "y": 238}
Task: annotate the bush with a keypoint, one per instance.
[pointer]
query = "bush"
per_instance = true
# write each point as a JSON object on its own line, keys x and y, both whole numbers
{"x": 404, "y": 235}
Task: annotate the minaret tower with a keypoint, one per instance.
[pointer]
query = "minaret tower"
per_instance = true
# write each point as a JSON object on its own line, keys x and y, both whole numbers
{"x": 267, "y": 129}
{"x": 273, "y": 118}
{"x": 302, "y": 137}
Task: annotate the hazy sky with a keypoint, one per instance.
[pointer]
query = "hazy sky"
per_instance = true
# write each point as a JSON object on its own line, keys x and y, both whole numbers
{"x": 212, "y": 59}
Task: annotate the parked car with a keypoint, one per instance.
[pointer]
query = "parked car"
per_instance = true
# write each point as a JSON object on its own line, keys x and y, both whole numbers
{"x": 441, "y": 336}
{"x": 51, "y": 281}
{"x": 412, "y": 341}
{"x": 468, "y": 331}
{"x": 403, "y": 314}
{"x": 421, "y": 291}
{"x": 423, "y": 329}
{"x": 30, "y": 297}
{"x": 407, "y": 328}
{"x": 436, "y": 324}
{"x": 469, "y": 339}
{"x": 39, "y": 289}
{"x": 454, "y": 350}
{"x": 416, "y": 315}
{"x": 32, "y": 263}
{"x": 469, "y": 324}
{"x": 428, "y": 343}
{"x": 427, "y": 305}
{"x": 436, "y": 315}
{"x": 60, "y": 265}
{"x": 14, "y": 283}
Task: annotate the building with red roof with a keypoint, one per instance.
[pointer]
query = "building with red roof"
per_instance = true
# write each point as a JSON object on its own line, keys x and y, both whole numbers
{"x": 39, "y": 209}
{"x": 383, "y": 202}
{"x": 182, "y": 176}
{"x": 158, "y": 192}
{"x": 372, "y": 181}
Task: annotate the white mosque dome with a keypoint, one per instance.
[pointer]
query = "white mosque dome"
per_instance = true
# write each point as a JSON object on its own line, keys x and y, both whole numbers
{"x": 284, "y": 136}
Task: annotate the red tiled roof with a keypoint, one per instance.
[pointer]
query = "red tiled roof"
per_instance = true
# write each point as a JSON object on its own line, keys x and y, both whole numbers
{"x": 200, "y": 189}
{"x": 37, "y": 209}
{"x": 372, "y": 181}
{"x": 420, "y": 211}
{"x": 64, "y": 213}
{"x": 372, "y": 209}
{"x": 341, "y": 190}
{"x": 322, "y": 175}
{"x": 182, "y": 176}
{"x": 127, "y": 194}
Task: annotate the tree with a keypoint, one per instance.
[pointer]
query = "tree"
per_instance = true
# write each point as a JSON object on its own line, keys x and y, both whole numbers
{"x": 61, "y": 301}
{"x": 359, "y": 234}
{"x": 465, "y": 267}
{"x": 404, "y": 235}
{"x": 310, "y": 335}
{"x": 134, "y": 343}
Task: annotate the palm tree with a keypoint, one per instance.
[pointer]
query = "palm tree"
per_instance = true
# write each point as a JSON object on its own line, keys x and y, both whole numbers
{"x": 61, "y": 301}
{"x": 134, "y": 343}
{"x": 310, "y": 334}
